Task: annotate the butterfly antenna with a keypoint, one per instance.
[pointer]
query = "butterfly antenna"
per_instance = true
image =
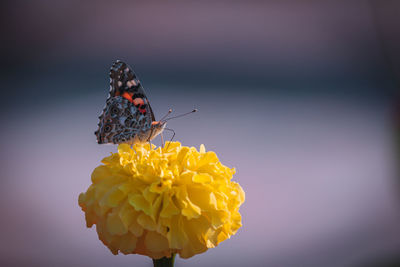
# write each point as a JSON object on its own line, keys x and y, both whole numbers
{"x": 166, "y": 115}
{"x": 184, "y": 114}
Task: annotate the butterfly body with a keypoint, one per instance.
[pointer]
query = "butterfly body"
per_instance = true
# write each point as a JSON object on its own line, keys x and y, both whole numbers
{"x": 127, "y": 116}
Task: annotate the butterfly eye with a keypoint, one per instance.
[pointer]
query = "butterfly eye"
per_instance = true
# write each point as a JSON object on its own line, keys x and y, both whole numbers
{"x": 107, "y": 128}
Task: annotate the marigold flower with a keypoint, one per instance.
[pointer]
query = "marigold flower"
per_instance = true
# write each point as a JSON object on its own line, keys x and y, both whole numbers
{"x": 158, "y": 202}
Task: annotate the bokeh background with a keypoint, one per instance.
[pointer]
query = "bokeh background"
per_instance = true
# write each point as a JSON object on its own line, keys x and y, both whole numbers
{"x": 299, "y": 96}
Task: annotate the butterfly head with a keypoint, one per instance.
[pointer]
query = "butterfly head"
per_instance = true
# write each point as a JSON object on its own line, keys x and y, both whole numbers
{"x": 157, "y": 127}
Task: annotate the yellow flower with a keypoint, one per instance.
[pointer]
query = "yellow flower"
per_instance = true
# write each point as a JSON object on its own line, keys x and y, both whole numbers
{"x": 157, "y": 202}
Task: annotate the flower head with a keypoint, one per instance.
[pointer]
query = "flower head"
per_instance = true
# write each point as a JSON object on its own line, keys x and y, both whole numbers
{"x": 156, "y": 202}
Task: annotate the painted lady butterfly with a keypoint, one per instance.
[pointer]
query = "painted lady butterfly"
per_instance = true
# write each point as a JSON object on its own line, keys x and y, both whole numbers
{"x": 127, "y": 116}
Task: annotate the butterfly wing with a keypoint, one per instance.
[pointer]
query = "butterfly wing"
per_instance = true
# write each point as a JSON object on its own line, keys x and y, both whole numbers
{"x": 124, "y": 82}
{"x": 127, "y": 116}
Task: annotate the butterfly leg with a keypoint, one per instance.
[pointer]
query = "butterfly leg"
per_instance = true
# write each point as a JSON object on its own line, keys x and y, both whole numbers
{"x": 171, "y": 137}
{"x": 162, "y": 140}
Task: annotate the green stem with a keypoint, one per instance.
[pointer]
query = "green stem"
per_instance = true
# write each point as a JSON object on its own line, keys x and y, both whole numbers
{"x": 164, "y": 262}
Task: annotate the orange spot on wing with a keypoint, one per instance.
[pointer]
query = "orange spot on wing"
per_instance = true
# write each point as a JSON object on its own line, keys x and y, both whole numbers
{"x": 128, "y": 96}
{"x": 155, "y": 122}
{"x": 138, "y": 101}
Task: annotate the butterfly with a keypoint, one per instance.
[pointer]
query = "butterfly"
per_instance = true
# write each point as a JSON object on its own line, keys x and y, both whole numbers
{"x": 127, "y": 116}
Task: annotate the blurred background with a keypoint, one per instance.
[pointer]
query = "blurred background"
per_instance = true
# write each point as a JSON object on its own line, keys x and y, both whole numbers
{"x": 299, "y": 96}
